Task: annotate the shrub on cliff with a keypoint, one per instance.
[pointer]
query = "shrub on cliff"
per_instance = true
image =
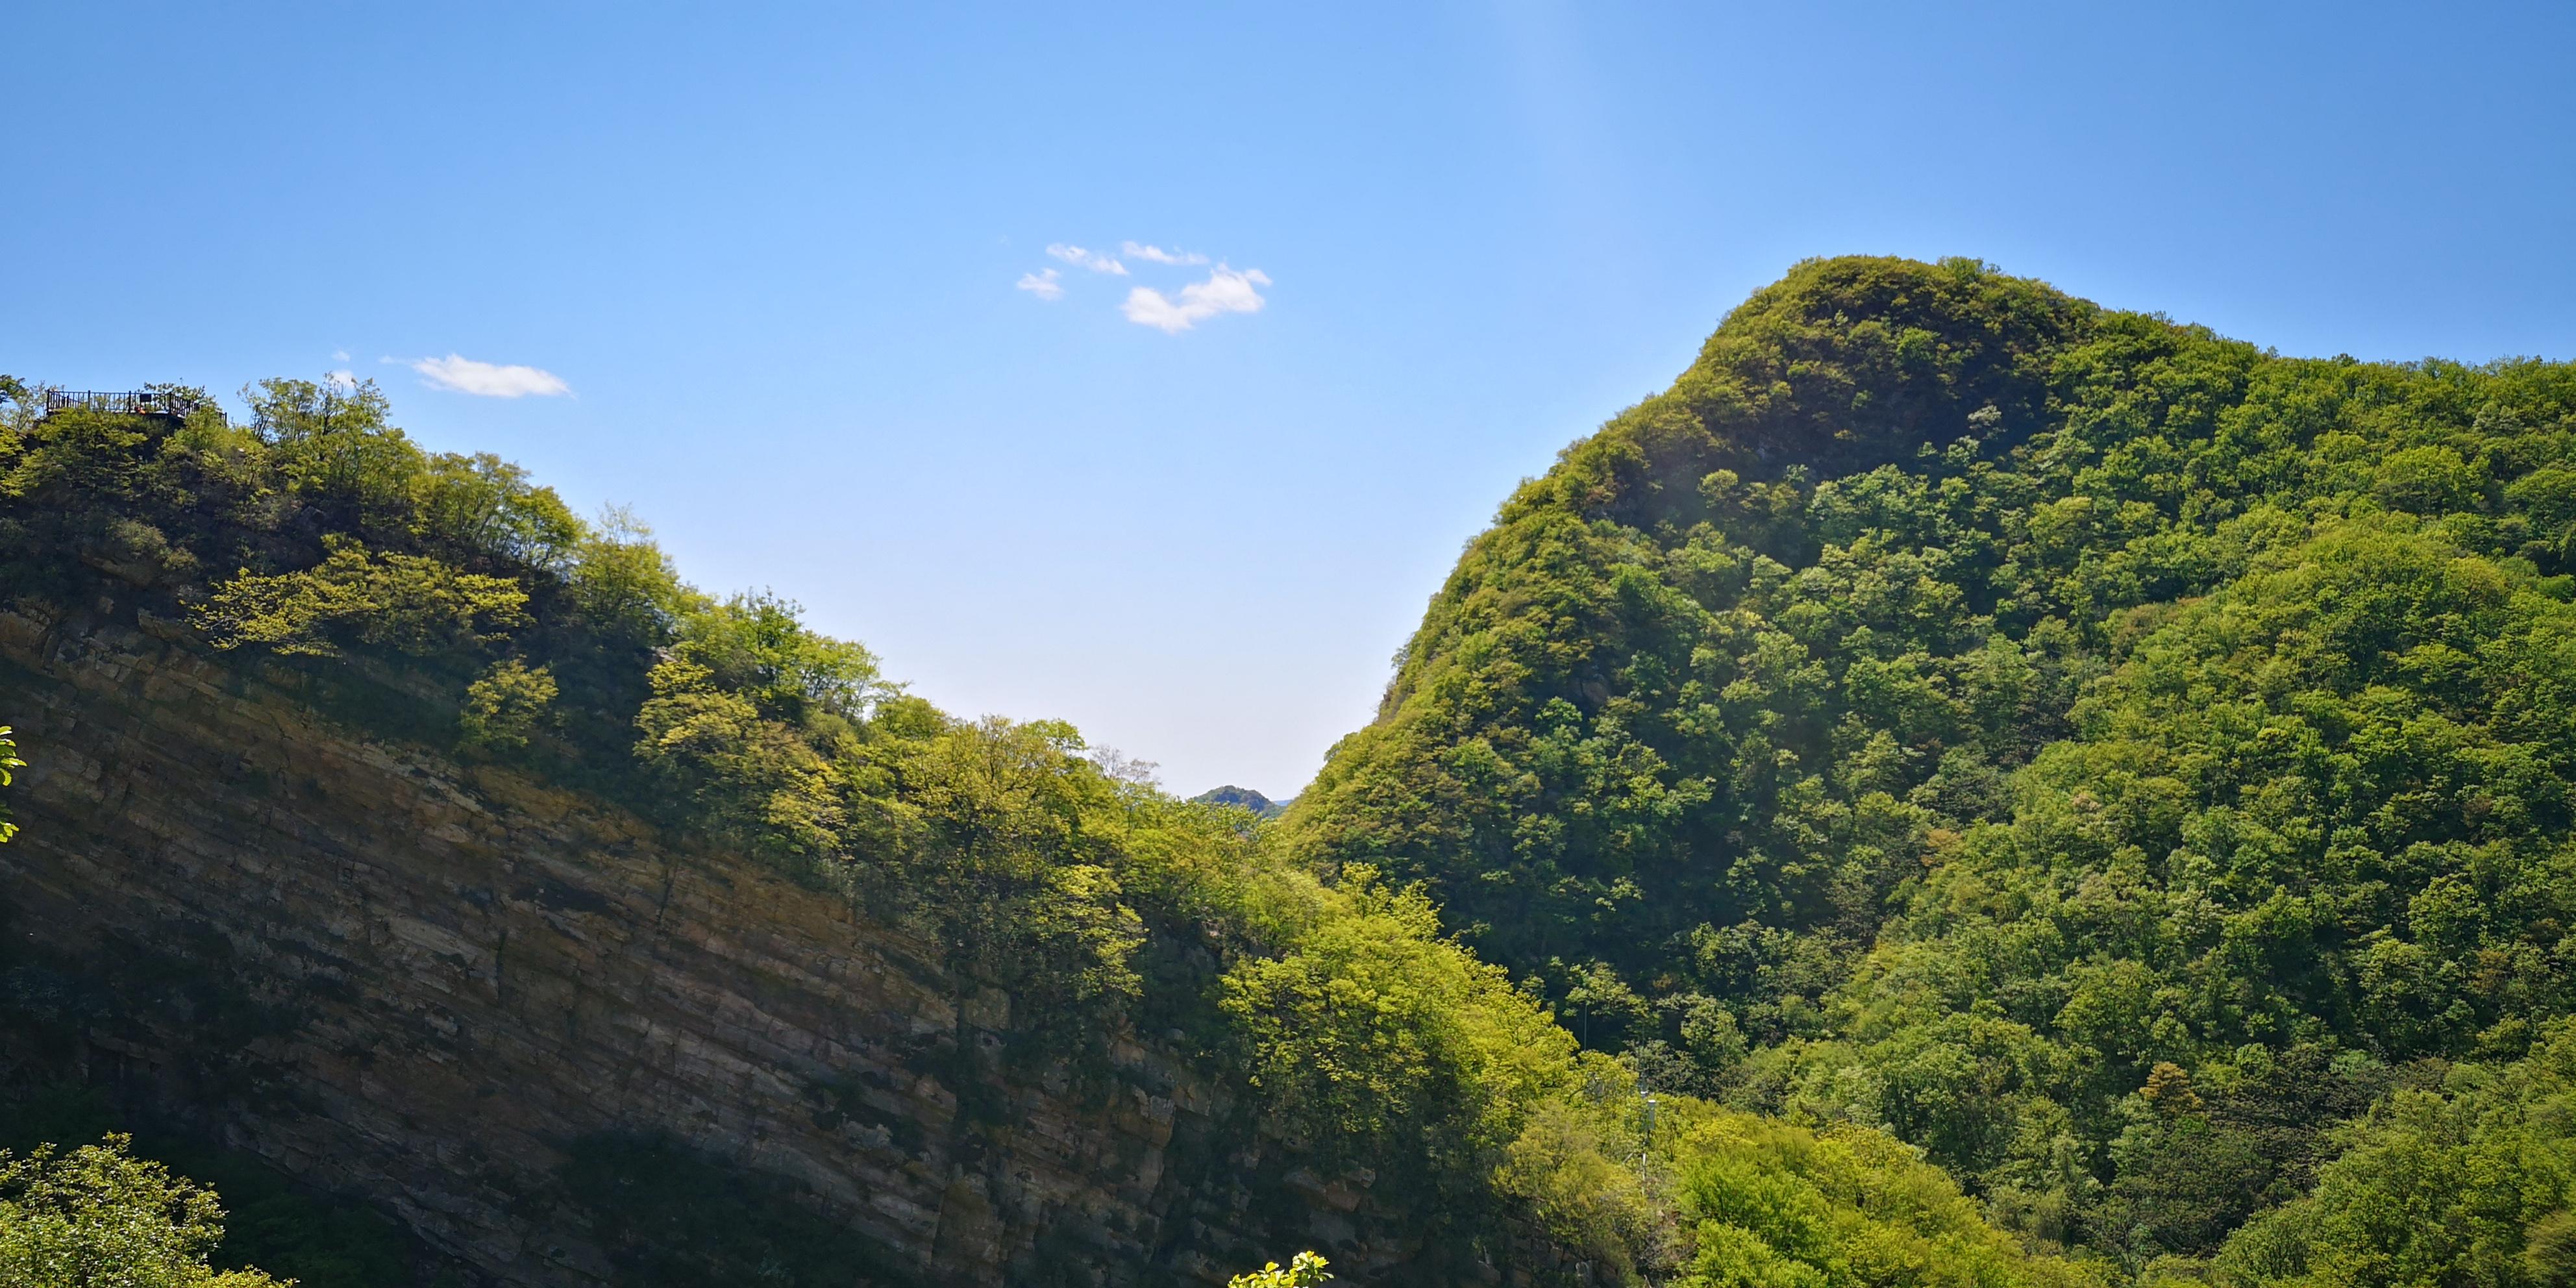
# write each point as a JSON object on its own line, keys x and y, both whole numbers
{"x": 319, "y": 529}
{"x": 8, "y": 761}
{"x": 1305, "y": 1270}
{"x": 99, "y": 1217}
{"x": 1372, "y": 1029}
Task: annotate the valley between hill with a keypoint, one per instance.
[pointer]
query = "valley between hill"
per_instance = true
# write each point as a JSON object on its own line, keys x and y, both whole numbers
{"x": 1969, "y": 786}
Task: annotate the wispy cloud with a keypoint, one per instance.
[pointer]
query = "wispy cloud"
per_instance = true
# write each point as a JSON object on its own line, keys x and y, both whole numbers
{"x": 489, "y": 380}
{"x": 341, "y": 379}
{"x": 339, "y": 355}
{"x": 1224, "y": 291}
{"x": 1092, "y": 260}
{"x": 1158, "y": 255}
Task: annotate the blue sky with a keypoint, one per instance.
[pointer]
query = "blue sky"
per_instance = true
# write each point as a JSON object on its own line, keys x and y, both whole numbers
{"x": 773, "y": 252}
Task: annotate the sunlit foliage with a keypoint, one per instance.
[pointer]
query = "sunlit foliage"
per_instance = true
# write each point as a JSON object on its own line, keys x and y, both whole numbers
{"x": 1770, "y": 1205}
{"x": 8, "y": 761}
{"x": 98, "y": 1217}
{"x": 1305, "y": 1270}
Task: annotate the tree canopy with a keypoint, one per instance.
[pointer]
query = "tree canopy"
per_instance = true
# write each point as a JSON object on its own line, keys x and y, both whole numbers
{"x": 98, "y": 1217}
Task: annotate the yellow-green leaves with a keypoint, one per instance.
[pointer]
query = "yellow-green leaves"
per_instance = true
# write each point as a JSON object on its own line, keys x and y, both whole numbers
{"x": 408, "y": 603}
{"x": 505, "y": 705}
{"x": 98, "y": 1217}
{"x": 1771, "y": 1205}
{"x": 751, "y": 778}
{"x": 1578, "y": 1176}
{"x": 757, "y": 646}
{"x": 1373, "y": 1024}
{"x": 1305, "y": 1270}
{"x": 8, "y": 761}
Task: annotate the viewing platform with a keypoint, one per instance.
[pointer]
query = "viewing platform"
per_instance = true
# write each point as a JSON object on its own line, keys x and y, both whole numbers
{"x": 131, "y": 402}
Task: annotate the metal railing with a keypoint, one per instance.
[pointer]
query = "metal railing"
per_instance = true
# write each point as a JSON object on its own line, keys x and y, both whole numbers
{"x": 128, "y": 402}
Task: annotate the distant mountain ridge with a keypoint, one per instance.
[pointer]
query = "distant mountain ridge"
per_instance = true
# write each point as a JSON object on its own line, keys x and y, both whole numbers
{"x": 1245, "y": 798}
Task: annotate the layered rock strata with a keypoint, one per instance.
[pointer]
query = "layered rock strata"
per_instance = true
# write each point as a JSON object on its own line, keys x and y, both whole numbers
{"x": 442, "y": 987}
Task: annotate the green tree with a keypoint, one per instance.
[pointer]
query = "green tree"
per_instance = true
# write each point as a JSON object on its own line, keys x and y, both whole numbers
{"x": 1768, "y": 1205}
{"x": 1373, "y": 1029}
{"x": 505, "y": 705}
{"x": 410, "y": 603}
{"x": 98, "y": 1217}
{"x": 1305, "y": 1270}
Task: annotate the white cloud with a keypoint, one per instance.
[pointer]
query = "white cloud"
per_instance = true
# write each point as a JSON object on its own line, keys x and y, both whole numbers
{"x": 1097, "y": 263}
{"x": 1042, "y": 284}
{"x": 1158, "y": 255}
{"x": 339, "y": 355}
{"x": 489, "y": 380}
{"x": 341, "y": 379}
{"x": 1225, "y": 291}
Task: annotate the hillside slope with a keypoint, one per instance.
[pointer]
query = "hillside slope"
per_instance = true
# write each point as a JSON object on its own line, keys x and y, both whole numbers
{"x": 388, "y": 823}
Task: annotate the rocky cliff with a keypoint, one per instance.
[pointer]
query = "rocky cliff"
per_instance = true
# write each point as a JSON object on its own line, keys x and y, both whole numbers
{"x": 520, "y": 1019}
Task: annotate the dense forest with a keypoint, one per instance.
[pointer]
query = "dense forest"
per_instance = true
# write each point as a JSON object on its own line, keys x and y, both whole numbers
{"x": 2119, "y": 761}
{"x": 1968, "y": 787}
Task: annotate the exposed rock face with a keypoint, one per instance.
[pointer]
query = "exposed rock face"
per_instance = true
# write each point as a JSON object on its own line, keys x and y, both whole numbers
{"x": 435, "y": 986}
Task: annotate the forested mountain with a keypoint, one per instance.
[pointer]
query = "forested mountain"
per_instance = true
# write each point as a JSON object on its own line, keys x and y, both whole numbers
{"x": 2104, "y": 754}
{"x": 1967, "y": 787}
{"x": 1241, "y": 798}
